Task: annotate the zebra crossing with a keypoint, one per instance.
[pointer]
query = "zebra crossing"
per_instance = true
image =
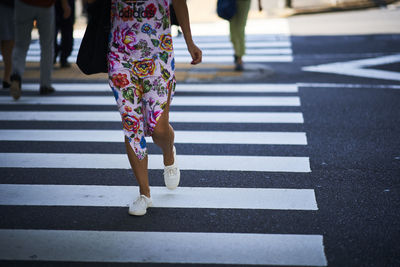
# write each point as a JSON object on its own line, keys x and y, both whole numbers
{"x": 197, "y": 129}
{"x": 216, "y": 49}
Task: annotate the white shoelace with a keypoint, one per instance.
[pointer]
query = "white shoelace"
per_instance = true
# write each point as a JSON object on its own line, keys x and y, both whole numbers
{"x": 140, "y": 200}
{"x": 170, "y": 171}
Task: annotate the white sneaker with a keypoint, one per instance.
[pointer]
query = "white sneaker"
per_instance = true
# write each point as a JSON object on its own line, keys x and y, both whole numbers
{"x": 140, "y": 205}
{"x": 172, "y": 174}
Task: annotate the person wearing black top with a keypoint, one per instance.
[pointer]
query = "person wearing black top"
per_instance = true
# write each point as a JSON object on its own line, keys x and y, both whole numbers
{"x": 66, "y": 27}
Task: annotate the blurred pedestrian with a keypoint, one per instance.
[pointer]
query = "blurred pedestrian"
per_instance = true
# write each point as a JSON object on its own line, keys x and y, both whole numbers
{"x": 66, "y": 27}
{"x": 26, "y": 12}
{"x": 237, "y": 25}
{"x": 7, "y": 38}
{"x": 141, "y": 75}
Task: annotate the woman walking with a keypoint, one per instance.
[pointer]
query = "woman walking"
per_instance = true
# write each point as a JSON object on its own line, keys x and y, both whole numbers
{"x": 141, "y": 76}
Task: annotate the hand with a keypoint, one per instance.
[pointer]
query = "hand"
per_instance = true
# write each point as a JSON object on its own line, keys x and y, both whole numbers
{"x": 195, "y": 53}
{"x": 67, "y": 11}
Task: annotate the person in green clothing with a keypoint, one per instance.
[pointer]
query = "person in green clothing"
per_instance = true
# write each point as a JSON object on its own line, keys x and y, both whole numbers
{"x": 237, "y": 26}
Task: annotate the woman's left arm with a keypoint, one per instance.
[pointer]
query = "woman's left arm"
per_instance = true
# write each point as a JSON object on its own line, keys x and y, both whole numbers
{"x": 182, "y": 15}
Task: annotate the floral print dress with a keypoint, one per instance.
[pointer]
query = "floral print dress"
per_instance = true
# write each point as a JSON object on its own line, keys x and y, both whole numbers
{"x": 141, "y": 66}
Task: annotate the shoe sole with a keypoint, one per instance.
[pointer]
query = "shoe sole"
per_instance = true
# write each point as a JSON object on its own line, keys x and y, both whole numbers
{"x": 137, "y": 214}
{"x": 15, "y": 90}
{"x": 172, "y": 188}
{"x": 140, "y": 213}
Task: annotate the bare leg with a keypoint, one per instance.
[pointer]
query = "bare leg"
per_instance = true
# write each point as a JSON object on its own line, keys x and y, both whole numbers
{"x": 140, "y": 169}
{"x": 6, "y": 51}
{"x": 163, "y": 135}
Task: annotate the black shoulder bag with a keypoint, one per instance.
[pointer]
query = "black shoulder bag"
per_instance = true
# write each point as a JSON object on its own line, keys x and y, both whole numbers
{"x": 172, "y": 16}
{"x": 92, "y": 55}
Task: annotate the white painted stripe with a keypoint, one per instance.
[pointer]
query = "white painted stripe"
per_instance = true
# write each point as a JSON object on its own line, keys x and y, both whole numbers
{"x": 358, "y": 68}
{"x": 374, "y": 61}
{"x": 206, "y": 59}
{"x": 349, "y": 85}
{"x": 246, "y": 58}
{"x": 210, "y": 44}
{"x": 186, "y": 137}
{"x": 213, "y": 88}
{"x": 178, "y": 100}
{"x": 181, "y": 87}
{"x": 207, "y": 47}
{"x": 224, "y": 37}
{"x": 187, "y": 117}
{"x": 162, "y": 247}
{"x": 216, "y": 52}
{"x": 230, "y": 52}
{"x": 186, "y": 162}
{"x": 359, "y": 72}
{"x": 70, "y": 87}
{"x": 250, "y": 37}
{"x": 182, "y": 197}
{"x": 214, "y": 42}
{"x": 203, "y": 42}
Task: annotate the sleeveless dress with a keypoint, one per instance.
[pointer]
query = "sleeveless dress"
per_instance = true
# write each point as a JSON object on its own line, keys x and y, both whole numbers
{"x": 141, "y": 66}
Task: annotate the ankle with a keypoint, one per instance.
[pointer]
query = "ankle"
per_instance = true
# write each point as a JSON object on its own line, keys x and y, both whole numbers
{"x": 169, "y": 157}
{"x": 145, "y": 192}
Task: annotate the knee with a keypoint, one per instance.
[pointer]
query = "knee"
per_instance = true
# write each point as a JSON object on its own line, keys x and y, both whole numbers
{"x": 161, "y": 131}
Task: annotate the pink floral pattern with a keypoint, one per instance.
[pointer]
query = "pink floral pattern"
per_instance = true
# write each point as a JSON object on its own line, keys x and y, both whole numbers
{"x": 141, "y": 66}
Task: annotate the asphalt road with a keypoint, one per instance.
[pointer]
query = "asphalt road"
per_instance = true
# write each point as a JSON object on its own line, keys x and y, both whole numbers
{"x": 354, "y": 147}
{"x": 351, "y": 123}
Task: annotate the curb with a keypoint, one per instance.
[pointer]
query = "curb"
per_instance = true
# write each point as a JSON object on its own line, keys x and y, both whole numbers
{"x": 344, "y": 6}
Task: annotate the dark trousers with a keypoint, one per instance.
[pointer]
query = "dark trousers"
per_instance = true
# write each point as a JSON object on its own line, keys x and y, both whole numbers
{"x": 66, "y": 27}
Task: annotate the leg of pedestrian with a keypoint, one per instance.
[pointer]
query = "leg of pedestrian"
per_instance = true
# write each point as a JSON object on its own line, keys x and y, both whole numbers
{"x": 140, "y": 170}
{"x": 7, "y": 40}
{"x": 45, "y": 24}
{"x": 237, "y": 27}
{"x": 24, "y": 17}
{"x": 58, "y": 22}
{"x": 6, "y": 51}
{"x": 163, "y": 136}
{"x": 233, "y": 24}
{"x": 67, "y": 38}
